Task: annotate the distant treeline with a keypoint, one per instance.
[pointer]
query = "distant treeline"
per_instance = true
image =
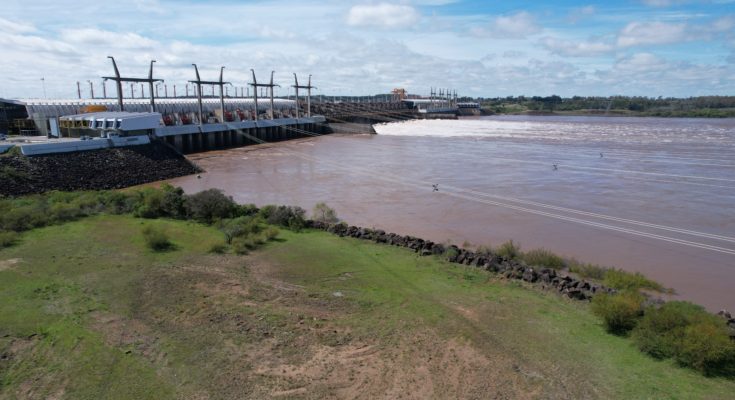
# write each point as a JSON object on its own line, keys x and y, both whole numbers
{"x": 704, "y": 106}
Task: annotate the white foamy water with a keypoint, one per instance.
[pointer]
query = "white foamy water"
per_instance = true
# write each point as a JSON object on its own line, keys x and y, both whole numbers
{"x": 573, "y": 129}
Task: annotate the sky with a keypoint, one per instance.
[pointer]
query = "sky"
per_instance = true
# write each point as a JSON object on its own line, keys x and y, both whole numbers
{"x": 677, "y": 48}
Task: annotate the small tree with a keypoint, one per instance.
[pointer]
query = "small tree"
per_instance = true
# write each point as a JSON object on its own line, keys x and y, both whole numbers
{"x": 619, "y": 312}
{"x": 210, "y": 205}
{"x": 323, "y": 213}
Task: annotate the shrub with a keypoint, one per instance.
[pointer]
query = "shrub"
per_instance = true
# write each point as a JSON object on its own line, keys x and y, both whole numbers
{"x": 661, "y": 329}
{"x": 150, "y": 203}
{"x": 324, "y": 213}
{"x": 487, "y": 250}
{"x": 156, "y": 238}
{"x": 243, "y": 245}
{"x": 25, "y": 217}
{"x": 209, "y": 205}
{"x": 241, "y": 226}
{"x": 689, "y": 334}
{"x": 623, "y": 280}
{"x": 246, "y": 210}
{"x": 63, "y": 212}
{"x": 584, "y": 270}
{"x": 287, "y": 217}
{"x": 270, "y": 233}
{"x": 267, "y": 211}
{"x": 706, "y": 347}
{"x": 543, "y": 258}
{"x": 118, "y": 202}
{"x": 218, "y": 248}
{"x": 173, "y": 201}
{"x": 509, "y": 250}
{"x": 8, "y": 238}
{"x": 619, "y": 312}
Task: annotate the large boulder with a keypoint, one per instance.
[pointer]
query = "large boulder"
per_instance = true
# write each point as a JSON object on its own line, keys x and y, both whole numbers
{"x": 530, "y": 275}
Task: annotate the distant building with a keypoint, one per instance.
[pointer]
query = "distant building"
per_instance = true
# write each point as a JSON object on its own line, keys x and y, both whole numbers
{"x": 14, "y": 118}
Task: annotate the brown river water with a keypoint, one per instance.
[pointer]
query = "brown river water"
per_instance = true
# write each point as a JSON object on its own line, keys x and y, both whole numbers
{"x": 643, "y": 194}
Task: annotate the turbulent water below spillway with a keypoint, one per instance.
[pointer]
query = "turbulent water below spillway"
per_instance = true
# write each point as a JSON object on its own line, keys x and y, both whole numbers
{"x": 645, "y": 194}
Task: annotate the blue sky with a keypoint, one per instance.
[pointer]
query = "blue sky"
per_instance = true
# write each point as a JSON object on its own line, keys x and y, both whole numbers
{"x": 480, "y": 48}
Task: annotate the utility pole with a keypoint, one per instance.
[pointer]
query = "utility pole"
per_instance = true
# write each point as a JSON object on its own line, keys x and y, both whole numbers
{"x": 219, "y": 83}
{"x": 308, "y": 95}
{"x": 256, "y": 85}
{"x": 119, "y": 80}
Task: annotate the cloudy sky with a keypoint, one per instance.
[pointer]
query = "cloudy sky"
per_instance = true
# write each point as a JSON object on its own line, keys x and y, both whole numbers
{"x": 480, "y": 48}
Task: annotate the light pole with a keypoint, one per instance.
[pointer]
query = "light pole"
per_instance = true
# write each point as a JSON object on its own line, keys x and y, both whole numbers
{"x": 91, "y": 89}
{"x": 43, "y": 84}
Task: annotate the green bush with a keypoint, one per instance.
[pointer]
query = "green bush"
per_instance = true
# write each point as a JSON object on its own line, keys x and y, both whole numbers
{"x": 285, "y": 216}
{"x": 240, "y": 226}
{"x": 246, "y": 210}
{"x": 243, "y": 245}
{"x": 156, "y": 239}
{"x": 209, "y": 205}
{"x": 543, "y": 258}
{"x": 218, "y": 248}
{"x": 660, "y": 330}
{"x": 270, "y": 233}
{"x": 509, "y": 250}
{"x": 150, "y": 203}
{"x": 116, "y": 202}
{"x": 619, "y": 312}
{"x": 623, "y": 280}
{"x": 689, "y": 334}
{"x": 706, "y": 347}
{"x": 323, "y": 213}
{"x": 8, "y": 238}
{"x": 591, "y": 271}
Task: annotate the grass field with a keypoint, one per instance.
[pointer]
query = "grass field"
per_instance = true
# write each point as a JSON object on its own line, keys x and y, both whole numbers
{"x": 87, "y": 311}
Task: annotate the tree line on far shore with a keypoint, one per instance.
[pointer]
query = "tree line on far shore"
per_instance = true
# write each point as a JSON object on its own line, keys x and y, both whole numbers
{"x": 702, "y": 106}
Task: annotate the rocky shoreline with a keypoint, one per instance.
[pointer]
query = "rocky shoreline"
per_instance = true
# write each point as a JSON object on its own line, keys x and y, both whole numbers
{"x": 91, "y": 170}
{"x": 567, "y": 285}
{"x": 548, "y": 278}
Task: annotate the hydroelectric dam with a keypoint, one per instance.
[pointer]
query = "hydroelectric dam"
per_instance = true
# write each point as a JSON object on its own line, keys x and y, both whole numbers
{"x": 198, "y": 122}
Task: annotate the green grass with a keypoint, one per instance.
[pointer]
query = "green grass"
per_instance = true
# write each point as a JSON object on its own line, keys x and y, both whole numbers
{"x": 88, "y": 311}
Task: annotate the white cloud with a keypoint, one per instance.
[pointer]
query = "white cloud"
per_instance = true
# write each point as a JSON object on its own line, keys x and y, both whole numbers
{"x": 647, "y": 33}
{"x": 665, "y": 3}
{"x": 577, "y": 49}
{"x": 15, "y": 27}
{"x": 641, "y": 62}
{"x": 383, "y": 15}
{"x": 723, "y": 24}
{"x": 580, "y": 13}
{"x": 107, "y": 39}
{"x": 518, "y": 25}
{"x": 515, "y": 26}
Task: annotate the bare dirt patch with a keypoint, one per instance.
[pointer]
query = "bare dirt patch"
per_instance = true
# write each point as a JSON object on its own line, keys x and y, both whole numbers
{"x": 9, "y": 264}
